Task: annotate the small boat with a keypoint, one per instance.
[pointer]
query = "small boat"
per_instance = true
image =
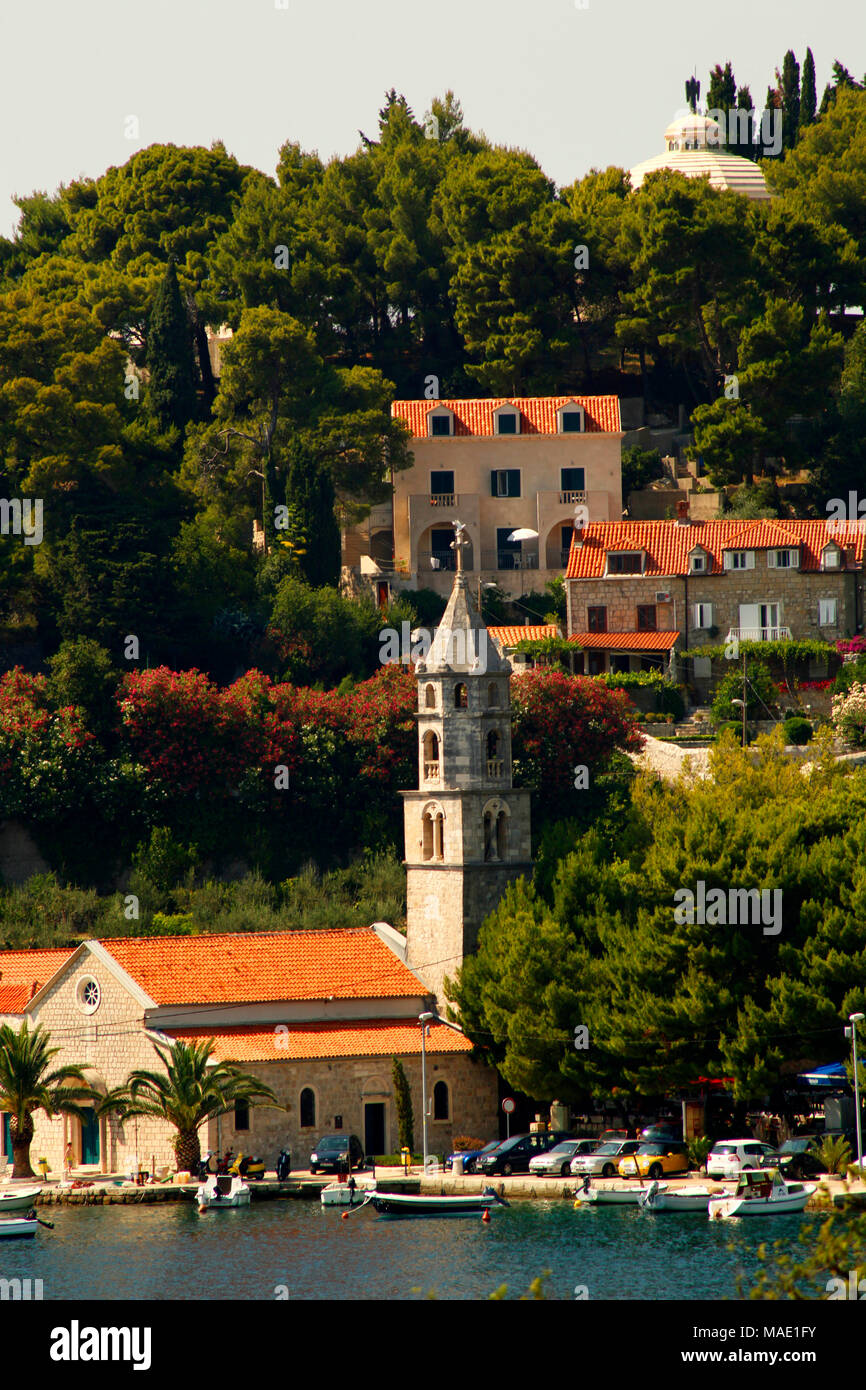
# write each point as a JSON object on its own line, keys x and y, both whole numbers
{"x": 17, "y": 1198}
{"x": 762, "y": 1192}
{"x": 18, "y": 1227}
{"x": 221, "y": 1192}
{"x": 606, "y": 1196}
{"x": 660, "y": 1197}
{"x": 394, "y": 1204}
{"x": 347, "y": 1194}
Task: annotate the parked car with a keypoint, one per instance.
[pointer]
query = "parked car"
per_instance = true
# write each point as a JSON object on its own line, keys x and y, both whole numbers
{"x": 729, "y": 1157}
{"x": 798, "y": 1158}
{"x": 557, "y": 1161}
{"x": 513, "y": 1155}
{"x": 653, "y": 1160}
{"x": 471, "y": 1156}
{"x": 603, "y": 1162}
{"x": 336, "y": 1151}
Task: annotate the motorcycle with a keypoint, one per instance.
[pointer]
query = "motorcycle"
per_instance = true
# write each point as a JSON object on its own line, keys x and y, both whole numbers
{"x": 245, "y": 1166}
{"x": 284, "y": 1165}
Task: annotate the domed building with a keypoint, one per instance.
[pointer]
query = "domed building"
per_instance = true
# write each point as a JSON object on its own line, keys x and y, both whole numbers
{"x": 694, "y": 147}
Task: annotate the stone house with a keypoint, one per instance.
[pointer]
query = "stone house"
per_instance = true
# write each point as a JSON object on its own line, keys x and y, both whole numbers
{"x": 318, "y": 1015}
{"x": 498, "y": 466}
{"x": 638, "y": 590}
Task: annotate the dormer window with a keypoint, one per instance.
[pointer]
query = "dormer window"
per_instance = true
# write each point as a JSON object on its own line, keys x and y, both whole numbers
{"x": 440, "y": 422}
{"x": 831, "y": 557}
{"x": 506, "y": 420}
{"x": 698, "y": 562}
{"x": 625, "y": 562}
{"x": 570, "y": 418}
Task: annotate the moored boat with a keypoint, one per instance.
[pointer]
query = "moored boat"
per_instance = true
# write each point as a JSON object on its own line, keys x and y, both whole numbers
{"x": 18, "y": 1227}
{"x": 395, "y": 1204}
{"x": 347, "y": 1194}
{"x": 660, "y": 1197}
{"x": 221, "y": 1192}
{"x": 17, "y": 1198}
{"x": 589, "y": 1195}
{"x": 762, "y": 1192}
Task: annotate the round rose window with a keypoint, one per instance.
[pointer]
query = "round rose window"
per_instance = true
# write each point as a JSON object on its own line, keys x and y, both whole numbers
{"x": 89, "y": 995}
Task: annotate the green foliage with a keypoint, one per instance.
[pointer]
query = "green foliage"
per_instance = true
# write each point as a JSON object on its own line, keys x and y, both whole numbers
{"x": 170, "y": 364}
{"x": 761, "y": 695}
{"x": 850, "y": 673}
{"x": 698, "y": 1150}
{"x": 830, "y": 1252}
{"x": 29, "y": 1083}
{"x": 835, "y": 1154}
{"x": 82, "y": 673}
{"x": 797, "y": 730}
{"x": 162, "y": 861}
{"x": 403, "y": 1102}
{"x": 639, "y": 467}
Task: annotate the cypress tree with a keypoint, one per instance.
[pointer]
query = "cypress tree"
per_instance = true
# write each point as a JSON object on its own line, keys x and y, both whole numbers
{"x": 808, "y": 92}
{"x": 170, "y": 362}
{"x": 789, "y": 88}
{"x": 721, "y": 96}
{"x": 693, "y": 92}
{"x": 403, "y": 1101}
{"x": 313, "y": 533}
{"x": 746, "y": 146}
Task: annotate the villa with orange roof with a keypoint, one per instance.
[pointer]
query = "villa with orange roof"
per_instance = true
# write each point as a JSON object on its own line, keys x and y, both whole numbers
{"x": 637, "y": 590}
{"x": 499, "y": 466}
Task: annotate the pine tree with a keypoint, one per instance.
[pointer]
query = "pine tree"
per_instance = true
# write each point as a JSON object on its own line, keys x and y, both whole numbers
{"x": 403, "y": 1100}
{"x": 170, "y": 362}
{"x": 808, "y": 94}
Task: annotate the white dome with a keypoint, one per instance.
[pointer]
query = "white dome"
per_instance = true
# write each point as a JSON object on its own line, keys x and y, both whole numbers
{"x": 693, "y": 132}
{"x": 694, "y": 148}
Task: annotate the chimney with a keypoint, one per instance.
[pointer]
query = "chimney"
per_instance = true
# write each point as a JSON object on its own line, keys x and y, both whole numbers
{"x": 683, "y": 518}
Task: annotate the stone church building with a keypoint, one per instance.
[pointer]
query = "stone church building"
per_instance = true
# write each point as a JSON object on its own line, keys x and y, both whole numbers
{"x": 317, "y": 1015}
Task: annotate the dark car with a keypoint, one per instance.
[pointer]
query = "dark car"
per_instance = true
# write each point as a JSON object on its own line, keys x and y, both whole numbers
{"x": 513, "y": 1155}
{"x": 797, "y": 1158}
{"x": 336, "y": 1152}
{"x": 471, "y": 1156}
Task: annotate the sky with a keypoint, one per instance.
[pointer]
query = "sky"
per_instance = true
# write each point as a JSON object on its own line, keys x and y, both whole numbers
{"x": 581, "y": 84}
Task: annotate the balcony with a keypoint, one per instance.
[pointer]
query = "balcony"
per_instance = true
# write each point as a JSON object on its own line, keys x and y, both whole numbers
{"x": 759, "y": 634}
{"x": 431, "y": 771}
{"x": 438, "y": 560}
{"x": 509, "y": 560}
{"x": 574, "y": 499}
{"x": 495, "y": 767}
{"x": 557, "y": 559}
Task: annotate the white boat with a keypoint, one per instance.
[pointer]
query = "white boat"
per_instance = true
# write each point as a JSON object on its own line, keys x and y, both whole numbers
{"x": 761, "y": 1192}
{"x": 607, "y": 1196}
{"x": 18, "y": 1198}
{"x": 221, "y": 1192}
{"x": 660, "y": 1197}
{"x": 18, "y": 1228}
{"x": 347, "y": 1194}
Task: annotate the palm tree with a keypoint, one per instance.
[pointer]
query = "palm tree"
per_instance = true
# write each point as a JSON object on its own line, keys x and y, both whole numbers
{"x": 186, "y": 1094}
{"x": 27, "y": 1085}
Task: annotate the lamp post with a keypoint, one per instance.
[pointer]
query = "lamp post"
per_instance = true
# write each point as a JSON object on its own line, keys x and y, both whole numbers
{"x": 743, "y": 703}
{"x": 854, "y": 1019}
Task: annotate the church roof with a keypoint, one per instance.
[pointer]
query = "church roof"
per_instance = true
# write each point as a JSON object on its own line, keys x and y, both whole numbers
{"x": 305, "y": 1041}
{"x": 729, "y": 172}
{"x": 461, "y": 643}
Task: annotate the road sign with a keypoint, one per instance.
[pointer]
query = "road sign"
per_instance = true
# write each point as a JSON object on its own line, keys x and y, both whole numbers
{"x": 509, "y": 1106}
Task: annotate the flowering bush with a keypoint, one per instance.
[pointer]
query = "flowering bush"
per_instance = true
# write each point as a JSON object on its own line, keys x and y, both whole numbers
{"x": 849, "y": 716}
{"x": 851, "y": 644}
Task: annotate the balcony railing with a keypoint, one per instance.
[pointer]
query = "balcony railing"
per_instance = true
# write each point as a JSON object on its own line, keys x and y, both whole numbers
{"x": 495, "y": 766}
{"x": 431, "y": 771}
{"x": 573, "y": 498}
{"x": 509, "y": 560}
{"x": 438, "y": 560}
{"x": 443, "y": 499}
{"x": 759, "y": 634}
{"x": 557, "y": 559}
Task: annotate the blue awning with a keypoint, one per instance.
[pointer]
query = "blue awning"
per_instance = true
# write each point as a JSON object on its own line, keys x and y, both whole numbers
{"x": 833, "y": 1074}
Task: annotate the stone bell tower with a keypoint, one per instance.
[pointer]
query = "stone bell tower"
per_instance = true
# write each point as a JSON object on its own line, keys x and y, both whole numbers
{"x": 467, "y": 829}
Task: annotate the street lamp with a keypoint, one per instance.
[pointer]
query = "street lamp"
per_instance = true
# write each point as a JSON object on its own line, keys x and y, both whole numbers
{"x": 481, "y": 586}
{"x": 424, "y": 1020}
{"x": 854, "y": 1019}
{"x": 742, "y": 703}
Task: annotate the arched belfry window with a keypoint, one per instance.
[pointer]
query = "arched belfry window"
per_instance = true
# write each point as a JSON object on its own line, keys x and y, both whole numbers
{"x": 492, "y": 696}
{"x": 441, "y": 1099}
{"x": 430, "y": 746}
{"x": 461, "y": 696}
{"x": 430, "y": 697}
{"x": 502, "y": 836}
{"x": 494, "y": 754}
{"x": 495, "y": 826}
{"x": 433, "y": 834}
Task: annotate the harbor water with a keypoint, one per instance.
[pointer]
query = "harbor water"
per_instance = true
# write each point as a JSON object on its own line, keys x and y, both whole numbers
{"x": 298, "y": 1250}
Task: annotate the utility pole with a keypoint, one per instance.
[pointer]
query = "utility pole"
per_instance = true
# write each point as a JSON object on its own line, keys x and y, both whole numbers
{"x": 744, "y": 699}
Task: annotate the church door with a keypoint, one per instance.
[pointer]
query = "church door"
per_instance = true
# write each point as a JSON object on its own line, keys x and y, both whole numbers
{"x": 374, "y": 1127}
{"x": 90, "y": 1138}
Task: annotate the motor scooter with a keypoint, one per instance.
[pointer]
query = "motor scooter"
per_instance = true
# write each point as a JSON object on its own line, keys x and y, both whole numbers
{"x": 284, "y": 1165}
{"x": 245, "y": 1166}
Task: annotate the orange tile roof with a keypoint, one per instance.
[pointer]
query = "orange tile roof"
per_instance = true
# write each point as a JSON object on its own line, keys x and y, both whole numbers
{"x": 346, "y": 963}
{"x": 668, "y": 543}
{"x": 626, "y": 641}
{"x": 22, "y": 973}
{"x": 538, "y": 414}
{"x": 304, "y": 1041}
{"x": 510, "y": 636}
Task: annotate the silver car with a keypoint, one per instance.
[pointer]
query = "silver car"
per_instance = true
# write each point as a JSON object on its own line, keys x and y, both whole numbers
{"x": 557, "y": 1162}
{"x": 603, "y": 1163}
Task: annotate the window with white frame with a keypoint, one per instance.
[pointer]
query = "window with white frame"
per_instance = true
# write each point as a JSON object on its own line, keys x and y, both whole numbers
{"x": 830, "y": 557}
{"x": 739, "y": 559}
{"x": 783, "y": 559}
{"x": 703, "y": 615}
{"x": 698, "y": 562}
{"x": 826, "y": 612}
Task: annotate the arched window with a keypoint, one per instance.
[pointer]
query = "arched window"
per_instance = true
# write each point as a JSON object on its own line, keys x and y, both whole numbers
{"x": 461, "y": 696}
{"x": 426, "y": 836}
{"x": 441, "y": 1108}
{"x": 439, "y": 837}
{"x": 492, "y": 696}
{"x": 489, "y": 847}
{"x": 430, "y": 745}
{"x": 493, "y": 744}
{"x": 242, "y": 1114}
{"x": 502, "y": 836}
{"x": 430, "y": 697}
{"x": 308, "y": 1108}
